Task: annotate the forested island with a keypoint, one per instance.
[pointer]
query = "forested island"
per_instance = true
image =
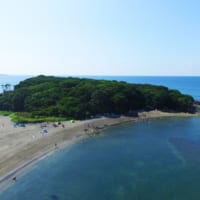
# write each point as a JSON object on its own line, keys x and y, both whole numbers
{"x": 81, "y": 98}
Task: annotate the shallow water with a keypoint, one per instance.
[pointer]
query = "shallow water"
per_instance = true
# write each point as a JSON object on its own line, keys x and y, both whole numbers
{"x": 151, "y": 160}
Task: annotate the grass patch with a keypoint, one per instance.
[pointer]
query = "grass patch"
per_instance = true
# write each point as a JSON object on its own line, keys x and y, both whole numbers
{"x": 5, "y": 113}
{"x": 28, "y": 118}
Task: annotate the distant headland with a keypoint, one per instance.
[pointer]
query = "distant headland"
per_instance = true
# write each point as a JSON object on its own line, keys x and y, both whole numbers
{"x": 54, "y": 99}
{"x": 83, "y": 98}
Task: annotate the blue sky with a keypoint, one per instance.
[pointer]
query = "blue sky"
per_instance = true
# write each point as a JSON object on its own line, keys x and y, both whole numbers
{"x": 100, "y": 37}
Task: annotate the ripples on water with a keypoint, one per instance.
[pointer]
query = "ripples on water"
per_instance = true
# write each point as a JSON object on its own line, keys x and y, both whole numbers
{"x": 155, "y": 160}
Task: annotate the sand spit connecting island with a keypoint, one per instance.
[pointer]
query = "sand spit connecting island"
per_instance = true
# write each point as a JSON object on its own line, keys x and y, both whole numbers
{"x": 23, "y": 146}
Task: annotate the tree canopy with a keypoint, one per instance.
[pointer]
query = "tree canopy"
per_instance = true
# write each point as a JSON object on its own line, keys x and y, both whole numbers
{"x": 80, "y": 98}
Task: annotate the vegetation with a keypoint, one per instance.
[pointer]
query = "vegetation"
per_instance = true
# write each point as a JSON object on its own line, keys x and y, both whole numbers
{"x": 47, "y": 96}
{"x": 27, "y": 118}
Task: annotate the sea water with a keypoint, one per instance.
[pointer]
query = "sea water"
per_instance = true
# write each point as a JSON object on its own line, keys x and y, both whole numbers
{"x": 148, "y": 160}
{"x": 12, "y": 80}
{"x": 187, "y": 85}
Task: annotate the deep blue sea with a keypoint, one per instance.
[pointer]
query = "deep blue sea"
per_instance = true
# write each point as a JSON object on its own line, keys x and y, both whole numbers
{"x": 148, "y": 160}
{"x": 187, "y": 85}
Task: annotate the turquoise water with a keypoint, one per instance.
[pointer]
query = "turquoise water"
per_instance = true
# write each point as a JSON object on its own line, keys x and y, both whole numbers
{"x": 150, "y": 160}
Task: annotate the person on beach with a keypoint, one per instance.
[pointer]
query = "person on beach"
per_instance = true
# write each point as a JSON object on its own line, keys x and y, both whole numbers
{"x": 56, "y": 146}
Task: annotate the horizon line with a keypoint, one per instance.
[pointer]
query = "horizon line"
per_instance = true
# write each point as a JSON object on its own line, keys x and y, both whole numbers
{"x": 99, "y": 75}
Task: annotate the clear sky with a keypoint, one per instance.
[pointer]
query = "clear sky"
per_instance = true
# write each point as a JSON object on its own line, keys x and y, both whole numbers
{"x": 100, "y": 37}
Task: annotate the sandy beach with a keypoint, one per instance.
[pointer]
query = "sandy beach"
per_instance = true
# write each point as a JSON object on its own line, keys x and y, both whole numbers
{"x": 22, "y": 147}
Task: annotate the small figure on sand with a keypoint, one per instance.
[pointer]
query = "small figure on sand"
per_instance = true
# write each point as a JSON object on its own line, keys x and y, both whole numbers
{"x": 14, "y": 178}
{"x": 54, "y": 125}
{"x": 56, "y": 146}
{"x": 44, "y": 131}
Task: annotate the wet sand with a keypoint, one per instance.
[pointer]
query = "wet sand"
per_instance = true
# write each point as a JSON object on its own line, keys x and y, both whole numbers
{"x": 22, "y": 147}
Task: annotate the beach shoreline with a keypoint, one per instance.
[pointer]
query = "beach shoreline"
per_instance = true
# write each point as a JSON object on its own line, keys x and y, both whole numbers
{"x": 22, "y": 147}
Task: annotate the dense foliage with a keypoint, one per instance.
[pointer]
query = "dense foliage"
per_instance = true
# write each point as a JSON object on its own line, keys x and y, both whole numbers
{"x": 81, "y": 98}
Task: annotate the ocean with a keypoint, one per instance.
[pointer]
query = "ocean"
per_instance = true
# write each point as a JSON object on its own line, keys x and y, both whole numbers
{"x": 12, "y": 80}
{"x": 187, "y": 85}
{"x": 148, "y": 160}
